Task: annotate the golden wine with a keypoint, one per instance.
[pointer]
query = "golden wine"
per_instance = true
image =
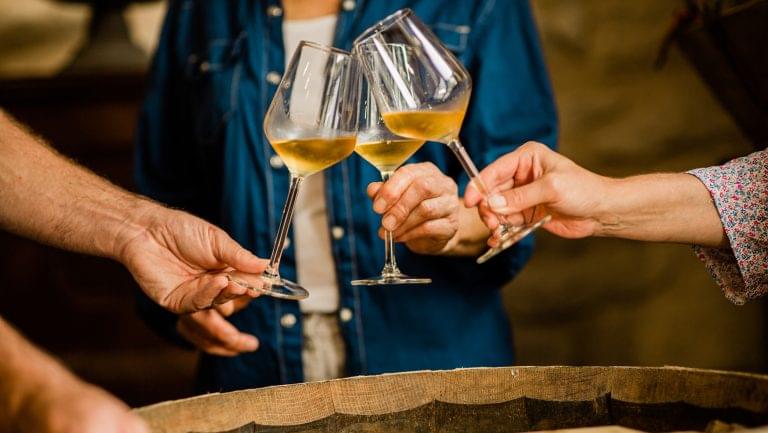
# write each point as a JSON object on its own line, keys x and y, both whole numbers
{"x": 387, "y": 155}
{"x": 425, "y": 125}
{"x": 305, "y": 156}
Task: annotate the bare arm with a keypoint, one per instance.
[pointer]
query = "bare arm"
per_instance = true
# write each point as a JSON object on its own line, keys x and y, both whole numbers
{"x": 47, "y": 197}
{"x": 37, "y": 394}
{"x": 178, "y": 260}
{"x": 673, "y": 207}
{"x": 656, "y": 207}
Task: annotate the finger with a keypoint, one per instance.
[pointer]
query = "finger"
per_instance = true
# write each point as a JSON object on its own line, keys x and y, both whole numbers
{"x": 373, "y": 189}
{"x": 227, "y": 251}
{"x": 230, "y": 292}
{"x": 394, "y": 188}
{"x": 229, "y": 308}
{"x": 211, "y": 333}
{"x": 134, "y": 424}
{"x": 440, "y": 230}
{"x": 524, "y": 197}
{"x": 196, "y": 294}
{"x": 524, "y": 164}
{"x": 202, "y": 343}
{"x": 500, "y": 171}
{"x": 214, "y": 327}
{"x": 431, "y": 209}
{"x": 417, "y": 198}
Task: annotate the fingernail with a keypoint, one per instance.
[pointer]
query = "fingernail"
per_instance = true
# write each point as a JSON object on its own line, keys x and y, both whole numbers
{"x": 497, "y": 201}
{"x": 379, "y": 205}
{"x": 389, "y": 222}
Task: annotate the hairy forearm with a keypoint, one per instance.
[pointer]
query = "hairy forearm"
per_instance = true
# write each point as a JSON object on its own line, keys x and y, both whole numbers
{"x": 661, "y": 208}
{"x": 24, "y": 371}
{"x": 49, "y": 198}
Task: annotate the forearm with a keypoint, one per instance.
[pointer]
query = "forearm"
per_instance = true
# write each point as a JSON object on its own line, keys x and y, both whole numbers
{"x": 24, "y": 371}
{"x": 49, "y": 198}
{"x": 661, "y": 208}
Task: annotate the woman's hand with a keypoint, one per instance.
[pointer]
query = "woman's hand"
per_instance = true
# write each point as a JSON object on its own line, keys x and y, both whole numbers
{"x": 420, "y": 205}
{"x": 534, "y": 175}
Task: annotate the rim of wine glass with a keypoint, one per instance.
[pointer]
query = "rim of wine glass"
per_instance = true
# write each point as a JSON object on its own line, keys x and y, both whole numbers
{"x": 384, "y": 24}
{"x": 324, "y": 48}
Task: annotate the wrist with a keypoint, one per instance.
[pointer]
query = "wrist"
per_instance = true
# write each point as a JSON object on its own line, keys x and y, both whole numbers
{"x": 471, "y": 237}
{"x": 139, "y": 218}
{"x": 609, "y": 218}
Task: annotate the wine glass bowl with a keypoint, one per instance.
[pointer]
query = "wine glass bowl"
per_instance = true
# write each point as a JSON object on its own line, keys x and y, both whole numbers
{"x": 386, "y": 151}
{"x": 311, "y": 124}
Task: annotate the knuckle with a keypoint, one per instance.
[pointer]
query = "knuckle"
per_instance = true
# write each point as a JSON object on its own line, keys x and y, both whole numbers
{"x": 424, "y": 184}
{"x": 428, "y": 209}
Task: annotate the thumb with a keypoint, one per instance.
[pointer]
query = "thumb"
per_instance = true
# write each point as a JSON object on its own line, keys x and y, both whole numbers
{"x": 227, "y": 251}
{"x": 524, "y": 197}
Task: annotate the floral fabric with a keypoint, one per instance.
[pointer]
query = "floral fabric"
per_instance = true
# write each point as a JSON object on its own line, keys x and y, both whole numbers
{"x": 739, "y": 190}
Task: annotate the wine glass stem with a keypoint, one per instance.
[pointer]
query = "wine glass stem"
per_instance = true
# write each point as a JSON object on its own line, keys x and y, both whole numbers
{"x": 474, "y": 176}
{"x": 390, "y": 264}
{"x": 272, "y": 270}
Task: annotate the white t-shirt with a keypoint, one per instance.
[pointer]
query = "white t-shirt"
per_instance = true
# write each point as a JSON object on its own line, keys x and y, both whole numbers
{"x": 314, "y": 258}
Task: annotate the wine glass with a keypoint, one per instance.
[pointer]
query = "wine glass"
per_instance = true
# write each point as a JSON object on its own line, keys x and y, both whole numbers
{"x": 311, "y": 124}
{"x": 429, "y": 101}
{"x": 385, "y": 151}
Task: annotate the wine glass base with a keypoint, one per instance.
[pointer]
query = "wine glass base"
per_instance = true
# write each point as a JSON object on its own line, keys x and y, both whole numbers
{"x": 389, "y": 280}
{"x": 512, "y": 238}
{"x": 275, "y": 287}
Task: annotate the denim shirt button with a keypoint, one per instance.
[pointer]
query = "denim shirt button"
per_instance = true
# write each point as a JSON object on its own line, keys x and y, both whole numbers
{"x": 275, "y": 11}
{"x": 276, "y": 162}
{"x": 287, "y": 243}
{"x": 337, "y": 232}
{"x": 273, "y": 77}
{"x": 288, "y": 320}
{"x": 345, "y": 314}
{"x": 348, "y": 5}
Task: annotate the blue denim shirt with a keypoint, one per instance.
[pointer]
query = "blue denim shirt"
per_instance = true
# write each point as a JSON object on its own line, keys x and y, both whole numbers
{"x": 201, "y": 148}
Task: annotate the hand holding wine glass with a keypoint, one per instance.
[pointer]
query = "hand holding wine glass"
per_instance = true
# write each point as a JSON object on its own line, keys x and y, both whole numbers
{"x": 534, "y": 175}
{"x": 420, "y": 205}
{"x": 426, "y": 98}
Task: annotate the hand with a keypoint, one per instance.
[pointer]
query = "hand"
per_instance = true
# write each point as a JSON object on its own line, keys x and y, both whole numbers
{"x": 420, "y": 206}
{"x": 72, "y": 406}
{"x": 534, "y": 175}
{"x": 180, "y": 261}
{"x": 210, "y": 332}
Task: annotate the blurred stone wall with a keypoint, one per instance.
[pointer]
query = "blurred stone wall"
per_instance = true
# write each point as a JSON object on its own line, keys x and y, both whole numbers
{"x": 39, "y": 37}
{"x": 602, "y": 301}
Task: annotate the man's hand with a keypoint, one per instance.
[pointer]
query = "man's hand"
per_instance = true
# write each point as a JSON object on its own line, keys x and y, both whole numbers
{"x": 210, "y": 332}
{"x": 67, "y": 405}
{"x": 534, "y": 175}
{"x": 421, "y": 206}
{"x": 180, "y": 261}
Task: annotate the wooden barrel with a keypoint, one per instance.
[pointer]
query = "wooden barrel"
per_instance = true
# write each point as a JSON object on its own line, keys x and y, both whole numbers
{"x": 483, "y": 400}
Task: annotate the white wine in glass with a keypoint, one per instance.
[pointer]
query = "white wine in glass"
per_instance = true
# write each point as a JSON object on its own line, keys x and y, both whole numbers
{"x": 385, "y": 151}
{"x": 426, "y": 98}
{"x": 311, "y": 124}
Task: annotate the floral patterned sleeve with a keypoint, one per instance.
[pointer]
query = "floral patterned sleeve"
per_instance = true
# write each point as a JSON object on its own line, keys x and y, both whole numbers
{"x": 739, "y": 190}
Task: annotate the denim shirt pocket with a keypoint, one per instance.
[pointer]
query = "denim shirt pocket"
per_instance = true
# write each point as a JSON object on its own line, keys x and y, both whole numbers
{"x": 453, "y": 36}
{"x": 212, "y": 75}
